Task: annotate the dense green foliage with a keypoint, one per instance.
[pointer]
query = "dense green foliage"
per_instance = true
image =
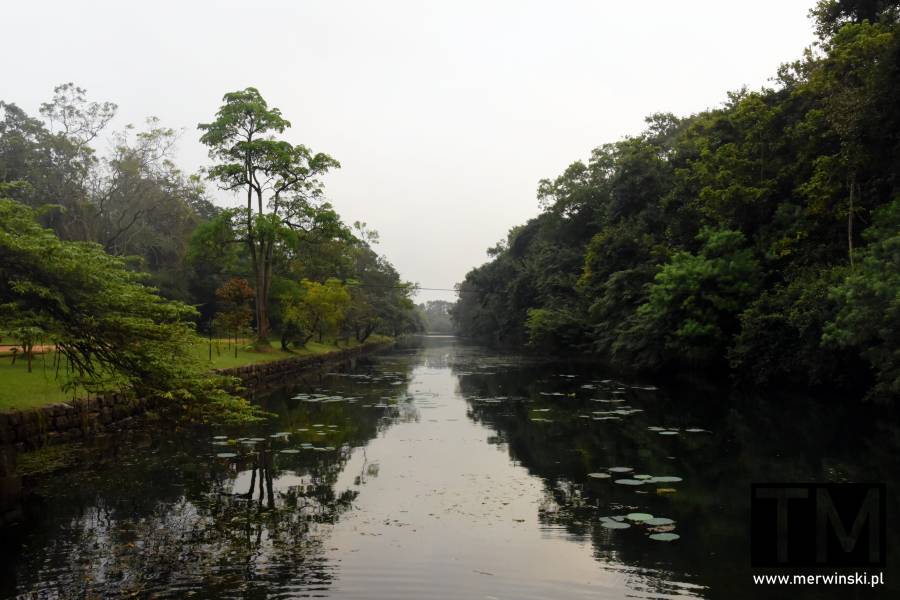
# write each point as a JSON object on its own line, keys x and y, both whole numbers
{"x": 761, "y": 235}
{"x": 318, "y": 310}
{"x": 109, "y": 330}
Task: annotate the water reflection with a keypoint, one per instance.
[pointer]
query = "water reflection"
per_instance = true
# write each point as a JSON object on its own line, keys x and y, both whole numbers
{"x": 685, "y": 456}
{"x": 443, "y": 471}
{"x": 218, "y": 514}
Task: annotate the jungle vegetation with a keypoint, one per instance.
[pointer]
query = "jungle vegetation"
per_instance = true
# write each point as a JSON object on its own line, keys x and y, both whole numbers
{"x": 760, "y": 238}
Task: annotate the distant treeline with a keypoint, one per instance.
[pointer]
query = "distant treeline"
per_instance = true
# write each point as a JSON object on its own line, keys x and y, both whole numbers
{"x": 762, "y": 236}
{"x": 435, "y": 316}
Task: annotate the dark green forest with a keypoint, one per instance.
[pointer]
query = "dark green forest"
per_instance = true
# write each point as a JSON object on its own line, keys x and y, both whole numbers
{"x": 760, "y": 238}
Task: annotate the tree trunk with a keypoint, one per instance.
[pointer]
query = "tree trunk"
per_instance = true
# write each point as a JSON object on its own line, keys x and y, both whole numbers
{"x": 262, "y": 310}
{"x": 853, "y": 185}
{"x": 268, "y": 466}
{"x": 262, "y": 267}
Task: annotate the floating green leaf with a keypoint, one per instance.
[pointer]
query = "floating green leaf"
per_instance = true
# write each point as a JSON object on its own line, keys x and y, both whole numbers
{"x": 636, "y": 516}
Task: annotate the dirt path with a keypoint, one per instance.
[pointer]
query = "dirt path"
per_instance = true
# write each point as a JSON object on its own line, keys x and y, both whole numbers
{"x": 7, "y": 349}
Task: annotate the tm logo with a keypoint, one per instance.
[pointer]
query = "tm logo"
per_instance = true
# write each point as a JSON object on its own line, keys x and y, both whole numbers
{"x": 817, "y": 524}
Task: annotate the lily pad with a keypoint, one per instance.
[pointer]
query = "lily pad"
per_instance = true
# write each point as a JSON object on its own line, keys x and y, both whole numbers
{"x": 620, "y": 469}
{"x": 629, "y": 481}
{"x": 642, "y": 476}
{"x": 599, "y": 475}
{"x": 657, "y": 521}
{"x": 638, "y": 516}
{"x": 226, "y": 455}
{"x": 665, "y": 479}
{"x": 667, "y": 432}
{"x": 614, "y": 525}
{"x": 664, "y": 537}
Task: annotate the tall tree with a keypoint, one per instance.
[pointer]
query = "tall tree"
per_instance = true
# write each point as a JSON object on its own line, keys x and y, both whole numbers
{"x": 281, "y": 181}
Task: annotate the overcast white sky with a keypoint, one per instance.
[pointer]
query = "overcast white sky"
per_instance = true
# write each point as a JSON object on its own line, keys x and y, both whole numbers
{"x": 444, "y": 115}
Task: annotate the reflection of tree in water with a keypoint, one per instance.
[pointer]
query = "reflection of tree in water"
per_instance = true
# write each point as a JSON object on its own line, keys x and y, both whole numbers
{"x": 747, "y": 440}
{"x": 268, "y": 535}
{"x": 153, "y": 513}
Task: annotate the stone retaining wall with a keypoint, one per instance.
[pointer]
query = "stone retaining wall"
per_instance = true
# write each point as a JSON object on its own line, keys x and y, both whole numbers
{"x": 261, "y": 375}
{"x": 69, "y": 421}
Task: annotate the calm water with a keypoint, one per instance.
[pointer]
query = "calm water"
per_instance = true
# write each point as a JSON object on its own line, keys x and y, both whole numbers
{"x": 445, "y": 471}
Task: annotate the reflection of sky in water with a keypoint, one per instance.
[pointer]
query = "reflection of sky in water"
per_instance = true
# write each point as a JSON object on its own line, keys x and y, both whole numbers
{"x": 449, "y": 516}
{"x": 438, "y": 472}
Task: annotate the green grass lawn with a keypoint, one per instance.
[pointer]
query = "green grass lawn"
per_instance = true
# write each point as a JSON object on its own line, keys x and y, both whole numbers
{"x": 223, "y": 355}
{"x": 21, "y": 389}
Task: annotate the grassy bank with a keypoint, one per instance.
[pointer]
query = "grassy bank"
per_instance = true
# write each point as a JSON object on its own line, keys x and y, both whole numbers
{"x": 20, "y": 389}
